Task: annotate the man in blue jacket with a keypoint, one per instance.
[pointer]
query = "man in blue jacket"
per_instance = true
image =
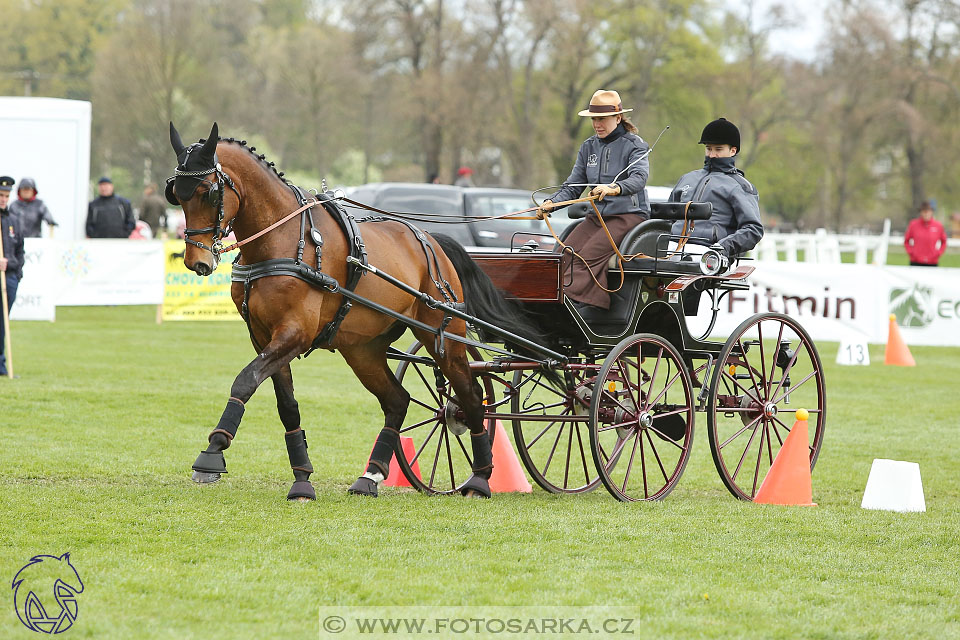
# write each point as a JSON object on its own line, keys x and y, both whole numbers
{"x": 735, "y": 223}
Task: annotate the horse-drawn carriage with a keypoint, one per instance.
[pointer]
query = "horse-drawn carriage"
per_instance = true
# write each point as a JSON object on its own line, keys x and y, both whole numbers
{"x": 624, "y": 385}
{"x": 633, "y": 378}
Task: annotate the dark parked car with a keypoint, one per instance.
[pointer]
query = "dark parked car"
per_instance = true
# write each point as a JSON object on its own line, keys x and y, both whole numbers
{"x": 455, "y": 201}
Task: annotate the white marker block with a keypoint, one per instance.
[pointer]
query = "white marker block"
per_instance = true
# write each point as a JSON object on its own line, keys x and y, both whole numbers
{"x": 894, "y": 486}
{"x": 853, "y": 351}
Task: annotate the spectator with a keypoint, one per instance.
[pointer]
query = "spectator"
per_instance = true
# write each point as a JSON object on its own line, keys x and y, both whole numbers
{"x": 30, "y": 209}
{"x": 109, "y": 215}
{"x": 464, "y": 177}
{"x": 433, "y": 178}
{"x": 11, "y": 265}
{"x": 153, "y": 210}
{"x": 925, "y": 239}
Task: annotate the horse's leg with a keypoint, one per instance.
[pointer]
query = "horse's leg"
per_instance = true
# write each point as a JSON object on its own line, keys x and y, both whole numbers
{"x": 456, "y": 367}
{"x": 295, "y": 437}
{"x": 284, "y": 346}
{"x": 369, "y": 363}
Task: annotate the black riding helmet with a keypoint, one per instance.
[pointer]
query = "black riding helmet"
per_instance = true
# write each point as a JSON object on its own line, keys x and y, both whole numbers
{"x": 721, "y": 131}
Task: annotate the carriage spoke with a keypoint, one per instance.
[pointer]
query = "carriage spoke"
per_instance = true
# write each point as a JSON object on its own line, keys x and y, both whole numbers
{"x": 583, "y": 455}
{"x": 756, "y": 470}
{"x": 671, "y": 413}
{"x": 666, "y": 388}
{"x": 566, "y": 469}
{"x": 766, "y": 427}
{"x": 423, "y": 446}
{"x": 643, "y": 467}
{"x": 773, "y": 364}
{"x": 753, "y": 378}
{"x": 657, "y": 456}
{"x": 553, "y": 450}
{"x": 418, "y": 424}
{"x": 465, "y": 454}
{"x": 763, "y": 360}
{"x": 653, "y": 376}
{"x": 744, "y": 456}
{"x": 633, "y": 453}
{"x": 436, "y": 458}
{"x": 795, "y": 387}
{"x": 549, "y": 426}
{"x": 738, "y": 433}
{"x": 428, "y": 385}
{"x": 453, "y": 481}
{"x": 786, "y": 370}
{"x": 736, "y": 382}
{"x": 667, "y": 438}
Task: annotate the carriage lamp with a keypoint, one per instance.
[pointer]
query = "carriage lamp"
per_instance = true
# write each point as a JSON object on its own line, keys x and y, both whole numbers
{"x": 712, "y": 262}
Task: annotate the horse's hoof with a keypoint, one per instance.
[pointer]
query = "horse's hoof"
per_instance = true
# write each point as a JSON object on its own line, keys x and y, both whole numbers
{"x": 475, "y": 487}
{"x": 210, "y": 462}
{"x": 203, "y": 477}
{"x": 363, "y": 487}
{"x": 302, "y": 491}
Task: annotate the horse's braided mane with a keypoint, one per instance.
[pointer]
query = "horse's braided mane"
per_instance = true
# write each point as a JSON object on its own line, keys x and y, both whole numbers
{"x": 258, "y": 156}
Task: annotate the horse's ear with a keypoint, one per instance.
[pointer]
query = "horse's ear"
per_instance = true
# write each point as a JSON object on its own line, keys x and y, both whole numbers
{"x": 175, "y": 140}
{"x": 210, "y": 146}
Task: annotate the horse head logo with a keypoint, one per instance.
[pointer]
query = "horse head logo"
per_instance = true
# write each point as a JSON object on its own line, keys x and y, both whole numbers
{"x": 45, "y": 593}
{"x": 913, "y": 307}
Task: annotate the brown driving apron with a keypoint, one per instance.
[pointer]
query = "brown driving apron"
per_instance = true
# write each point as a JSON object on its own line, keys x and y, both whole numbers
{"x": 589, "y": 240}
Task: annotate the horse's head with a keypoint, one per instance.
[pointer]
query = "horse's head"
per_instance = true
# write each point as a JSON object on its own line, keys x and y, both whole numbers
{"x": 199, "y": 185}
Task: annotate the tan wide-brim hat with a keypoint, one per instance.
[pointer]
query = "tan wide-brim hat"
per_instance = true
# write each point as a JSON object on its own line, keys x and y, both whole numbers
{"x": 604, "y": 103}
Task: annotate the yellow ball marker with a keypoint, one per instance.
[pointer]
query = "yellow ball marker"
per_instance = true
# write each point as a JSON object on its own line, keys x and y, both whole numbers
{"x": 803, "y": 414}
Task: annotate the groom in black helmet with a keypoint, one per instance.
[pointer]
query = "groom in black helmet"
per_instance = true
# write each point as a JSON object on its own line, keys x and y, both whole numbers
{"x": 735, "y": 223}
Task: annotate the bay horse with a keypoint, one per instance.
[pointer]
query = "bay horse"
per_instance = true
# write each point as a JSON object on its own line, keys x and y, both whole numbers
{"x": 222, "y": 184}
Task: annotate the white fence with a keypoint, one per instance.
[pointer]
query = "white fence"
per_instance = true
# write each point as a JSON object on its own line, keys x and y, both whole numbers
{"x": 822, "y": 247}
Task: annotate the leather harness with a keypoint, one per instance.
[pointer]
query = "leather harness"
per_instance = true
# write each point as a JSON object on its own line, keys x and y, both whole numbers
{"x": 356, "y": 265}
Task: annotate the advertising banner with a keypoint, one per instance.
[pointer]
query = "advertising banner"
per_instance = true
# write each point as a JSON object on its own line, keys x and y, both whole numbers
{"x": 187, "y": 296}
{"x": 841, "y": 302}
{"x": 87, "y": 272}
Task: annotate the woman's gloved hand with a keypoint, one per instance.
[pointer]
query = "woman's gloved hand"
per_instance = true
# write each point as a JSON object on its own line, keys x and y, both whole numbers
{"x": 604, "y": 190}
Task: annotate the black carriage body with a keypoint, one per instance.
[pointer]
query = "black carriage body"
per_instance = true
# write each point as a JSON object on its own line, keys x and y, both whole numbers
{"x": 652, "y": 297}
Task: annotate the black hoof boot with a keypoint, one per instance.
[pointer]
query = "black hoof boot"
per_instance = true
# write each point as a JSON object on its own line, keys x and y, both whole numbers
{"x": 475, "y": 487}
{"x": 208, "y": 467}
{"x": 302, "y": 490}
{"x": 363, "y": 487}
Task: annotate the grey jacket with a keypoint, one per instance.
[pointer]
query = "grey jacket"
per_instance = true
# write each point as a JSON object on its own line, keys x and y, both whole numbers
{"x": 735, "y": 222}
{"x": 599, "y": 162}
{"x": 31, "y": 214}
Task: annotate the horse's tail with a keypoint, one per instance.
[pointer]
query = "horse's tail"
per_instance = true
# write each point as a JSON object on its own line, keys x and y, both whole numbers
{"x": 483, "y": 299}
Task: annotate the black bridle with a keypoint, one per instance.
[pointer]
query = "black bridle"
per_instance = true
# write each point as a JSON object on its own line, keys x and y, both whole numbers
{"x": 214, "y": 198}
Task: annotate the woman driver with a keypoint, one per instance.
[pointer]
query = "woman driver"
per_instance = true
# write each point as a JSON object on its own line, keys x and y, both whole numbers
{"x": 615, "y": 159}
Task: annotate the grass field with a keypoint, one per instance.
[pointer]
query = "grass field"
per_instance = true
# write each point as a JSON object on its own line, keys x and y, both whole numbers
{"x": 110, "y": 410}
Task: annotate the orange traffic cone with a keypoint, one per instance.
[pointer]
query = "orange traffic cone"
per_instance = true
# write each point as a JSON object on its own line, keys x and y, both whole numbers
{"x": 507, "y": 471}
{"x": 396, "y": 477}
{"x": 788, "y": 481}
{"x": 897, "y": 352}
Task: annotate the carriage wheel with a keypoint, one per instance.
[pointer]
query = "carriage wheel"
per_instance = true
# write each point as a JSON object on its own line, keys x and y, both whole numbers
{"x": 641, "y": 418}
{"x": 767, "y": 368}
{"x": 444, "y": 456}
{"x": 555, "y": 452}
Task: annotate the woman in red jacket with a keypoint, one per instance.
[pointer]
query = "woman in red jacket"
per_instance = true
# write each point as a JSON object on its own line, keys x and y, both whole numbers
{"x": 922, "y": 236}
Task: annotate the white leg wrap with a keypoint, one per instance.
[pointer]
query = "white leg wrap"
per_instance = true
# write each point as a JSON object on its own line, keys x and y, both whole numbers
{"x": 376, "y": 477}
